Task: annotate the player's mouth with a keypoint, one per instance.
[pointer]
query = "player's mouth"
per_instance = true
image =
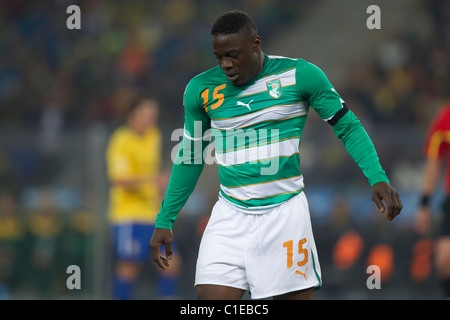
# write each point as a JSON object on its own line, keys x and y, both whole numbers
{"x": 234, "y": 78}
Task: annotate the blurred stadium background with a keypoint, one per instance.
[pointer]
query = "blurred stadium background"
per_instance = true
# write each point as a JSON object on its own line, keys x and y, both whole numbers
{"x": 62, "y": 92}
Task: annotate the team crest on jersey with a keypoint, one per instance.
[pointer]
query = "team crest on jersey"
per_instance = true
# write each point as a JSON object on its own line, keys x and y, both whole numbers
{"x": 274, "y": 87}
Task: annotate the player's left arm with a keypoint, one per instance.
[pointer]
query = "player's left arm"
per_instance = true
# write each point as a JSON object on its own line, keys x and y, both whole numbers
{"x": 360, "y": 147}
{"x": 186, "y": 171}
{"x": 331, "y": 108}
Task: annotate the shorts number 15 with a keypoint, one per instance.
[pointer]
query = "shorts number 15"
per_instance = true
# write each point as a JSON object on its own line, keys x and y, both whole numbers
{"x": 289, "y": 245}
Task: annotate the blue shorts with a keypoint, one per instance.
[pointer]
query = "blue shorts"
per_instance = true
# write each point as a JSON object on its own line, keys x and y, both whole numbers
{"x": 131, "y": 241}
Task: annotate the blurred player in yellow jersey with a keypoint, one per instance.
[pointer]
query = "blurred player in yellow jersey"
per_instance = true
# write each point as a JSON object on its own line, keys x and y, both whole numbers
{"x": 133, "y": 160}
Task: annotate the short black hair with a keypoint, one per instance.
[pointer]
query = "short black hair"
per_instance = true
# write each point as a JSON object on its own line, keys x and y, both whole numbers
{"x": 234, "y": 21}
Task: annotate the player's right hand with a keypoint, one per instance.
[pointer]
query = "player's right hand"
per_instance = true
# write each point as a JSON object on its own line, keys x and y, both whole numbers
{"x": 161, "y": 237}
{"x": 384, "y": 191}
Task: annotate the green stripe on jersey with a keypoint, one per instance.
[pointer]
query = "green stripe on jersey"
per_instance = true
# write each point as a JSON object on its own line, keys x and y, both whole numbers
{"x": 260, "y": 134}
{"x": 254, "y": 173}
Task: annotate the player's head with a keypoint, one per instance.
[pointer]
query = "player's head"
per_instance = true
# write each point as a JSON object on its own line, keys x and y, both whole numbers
{"x": 237, "y": 46}
{"x": 143, "y": 114}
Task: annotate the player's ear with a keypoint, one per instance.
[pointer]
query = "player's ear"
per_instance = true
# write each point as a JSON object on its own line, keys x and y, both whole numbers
{"x": 257, "y": 43}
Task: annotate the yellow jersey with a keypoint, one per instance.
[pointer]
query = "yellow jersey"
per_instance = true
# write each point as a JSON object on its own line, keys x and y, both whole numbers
{"x": 130, "y": 155}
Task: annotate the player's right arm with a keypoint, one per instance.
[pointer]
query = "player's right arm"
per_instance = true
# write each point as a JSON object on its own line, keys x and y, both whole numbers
{"x": 186, "y": 170}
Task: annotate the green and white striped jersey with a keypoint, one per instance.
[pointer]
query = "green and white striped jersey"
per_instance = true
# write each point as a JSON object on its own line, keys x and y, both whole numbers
{"x": 257, "y": 131}
{"x": 257, "y": 128}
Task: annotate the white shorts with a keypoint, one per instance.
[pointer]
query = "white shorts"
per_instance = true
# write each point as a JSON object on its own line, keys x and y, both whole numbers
{"x": 269, "y": 254}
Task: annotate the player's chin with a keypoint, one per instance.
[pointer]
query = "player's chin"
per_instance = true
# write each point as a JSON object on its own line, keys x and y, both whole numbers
{"x": 238, "y": 83}
{"x": 236, "y": 80}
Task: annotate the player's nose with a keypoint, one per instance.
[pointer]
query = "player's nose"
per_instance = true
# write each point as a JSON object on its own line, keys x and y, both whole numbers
{"x": 226, "y": 64}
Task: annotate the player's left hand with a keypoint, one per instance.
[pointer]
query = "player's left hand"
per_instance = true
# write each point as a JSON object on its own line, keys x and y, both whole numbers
{"x": 384, "y": 191}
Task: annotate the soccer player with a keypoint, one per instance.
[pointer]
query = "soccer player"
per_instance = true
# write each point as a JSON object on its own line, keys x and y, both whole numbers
{"x": 437, "y": 147}
{"x": 259, "y": 237}
{"x": 133, "y": 159}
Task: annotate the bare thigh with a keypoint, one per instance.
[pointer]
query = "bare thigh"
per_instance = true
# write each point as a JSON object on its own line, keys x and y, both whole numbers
{"x": 216, "y": 292}
{"x": 306, "y": 294}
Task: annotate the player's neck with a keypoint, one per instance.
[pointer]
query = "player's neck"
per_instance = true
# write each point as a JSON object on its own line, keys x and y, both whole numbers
{"x": 262, "y": 61}
{"x": 262, "y": 58}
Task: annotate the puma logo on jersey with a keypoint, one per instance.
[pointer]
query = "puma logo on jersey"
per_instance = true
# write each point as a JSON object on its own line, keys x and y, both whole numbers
{"x": 239, "y": 103}
{"x": 301, "y": 273}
